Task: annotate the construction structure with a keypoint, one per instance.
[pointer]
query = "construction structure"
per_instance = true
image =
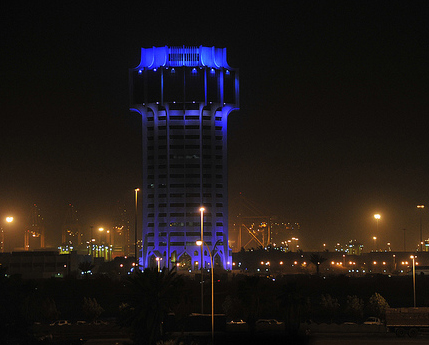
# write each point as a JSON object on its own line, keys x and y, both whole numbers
{"x": 121, "y": 233}
{"x": 71, "y": 230}
{"x": 184, "y": 96}
{"x": 34, "y": 235}
{"x": 255, "y": 227}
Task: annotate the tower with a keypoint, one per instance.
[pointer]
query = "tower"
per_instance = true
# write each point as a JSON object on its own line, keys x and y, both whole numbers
{"x": 184, "y": 96}
{"x": 71, "y": 229}
{"x": 35, "y": 230}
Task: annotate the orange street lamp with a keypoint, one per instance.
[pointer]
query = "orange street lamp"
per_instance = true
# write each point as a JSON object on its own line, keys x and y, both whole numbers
{"x": 414, "y": 277}
{"x": 136, "y": 258}
{"x": 200, "y": 243}
{"x": 421, "y": 207}
{"x": 202, "y": 258}
{"x": 9, "y": 219}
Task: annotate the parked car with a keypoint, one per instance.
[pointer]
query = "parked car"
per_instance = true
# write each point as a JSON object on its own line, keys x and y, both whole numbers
{"x": 268, "y": 324}
{"x": 60, "y": 323}
{"x": 373, "y": 321}
{"x": 99, "y": 322}
{"x": 236, "y": 322}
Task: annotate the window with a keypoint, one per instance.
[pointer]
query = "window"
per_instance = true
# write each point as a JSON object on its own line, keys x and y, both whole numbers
{"x": 176, "y": 195}
{"x": 177, "y": 224}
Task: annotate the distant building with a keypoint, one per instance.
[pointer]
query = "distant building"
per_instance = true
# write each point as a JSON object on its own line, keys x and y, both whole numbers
{"x": 184, "y": 96}
{"x": 285, "y": 235}
{"x": 40, "y": 264}
{"x": 354, "y": 248}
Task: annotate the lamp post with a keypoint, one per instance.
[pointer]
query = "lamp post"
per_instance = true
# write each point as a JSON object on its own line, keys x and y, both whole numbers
{"x": 421, "y": 207}
{"x": 375, "y": 243}
{"x": 202, "y": 259}
{"x": 136, "y": 258}
{"x": 158, "y": 260}
{"x": 200, "y": 243}
{"x": 8, "y": 220}
{"x": 414, "y": 277}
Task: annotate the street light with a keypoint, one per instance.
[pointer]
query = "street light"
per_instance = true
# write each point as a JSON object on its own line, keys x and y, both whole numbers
{"x": 136, "y": 259}
{"x": 158, "y": 260}
{"x": 200, "y": 243}
{"x": 421, "y": 207}
{"x": 414, "y": 277}
{"x": 8, "y": 220}
{"x": 202, "y": 259}
{"x": 375, "y": 243}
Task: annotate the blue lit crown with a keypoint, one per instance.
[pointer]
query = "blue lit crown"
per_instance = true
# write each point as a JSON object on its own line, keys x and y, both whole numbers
{"x": 184, "y": 75}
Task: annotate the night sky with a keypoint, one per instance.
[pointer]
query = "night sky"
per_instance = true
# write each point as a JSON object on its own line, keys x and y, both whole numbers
{"x": 332, "y": 126}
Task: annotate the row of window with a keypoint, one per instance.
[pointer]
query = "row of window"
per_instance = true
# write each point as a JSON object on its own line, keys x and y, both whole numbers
{"x": 180, "y": 244}
{"x": 188, "y": 233}
{"x": 163, "y": 117}
{"x": 188, "y": 195}
{"x": 182, "y": 224}
{"x": 162, "y": 176}
{"x": 187, "y": 147}
{"x": 183, "y": 214}
{"x": 188, "y": 175}
{"x": 181, "y": 204}
{"x": 188, "y": 165}
{"x": 187, "y": 136}
{"x": 217, "y": 128}
{"x": 188, "y": 185}
{"x": 164, "y": 185}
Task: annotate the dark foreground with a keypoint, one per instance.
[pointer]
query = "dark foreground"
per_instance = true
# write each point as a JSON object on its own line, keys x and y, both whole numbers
{"x": 111, "y": 334}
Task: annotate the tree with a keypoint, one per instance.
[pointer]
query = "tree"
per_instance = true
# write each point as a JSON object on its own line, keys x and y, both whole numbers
{"x": 317, "y": 260}
{"x": 378, "y": 305}
{"x": 292, "y": 302}
{"x": 91, "y": 309}
{"x": 232, "y": 307}
{"x": 150, "y": 297}
{"x": 355, "y": 306}
{"x": 249, "y": 296}
{"x": 330, "y": 305}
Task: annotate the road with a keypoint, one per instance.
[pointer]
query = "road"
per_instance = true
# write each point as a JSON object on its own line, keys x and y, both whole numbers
{"x": 364, "y": 339}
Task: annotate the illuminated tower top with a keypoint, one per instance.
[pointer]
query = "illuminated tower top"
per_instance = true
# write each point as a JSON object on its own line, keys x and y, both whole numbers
{"x": 183, "y": 56}
{"x": 181, "y": 76}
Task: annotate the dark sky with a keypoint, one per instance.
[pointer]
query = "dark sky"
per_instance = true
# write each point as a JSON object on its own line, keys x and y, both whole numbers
{"x": 332, "y": 126}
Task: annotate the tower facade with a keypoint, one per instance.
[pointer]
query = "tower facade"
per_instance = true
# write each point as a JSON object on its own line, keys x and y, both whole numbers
{"x": 184, "y": 96}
